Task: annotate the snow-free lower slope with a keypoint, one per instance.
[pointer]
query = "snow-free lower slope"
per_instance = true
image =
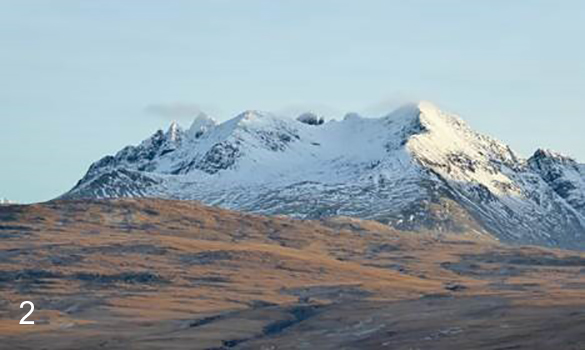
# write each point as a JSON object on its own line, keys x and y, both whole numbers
{"x": 415, "y": 168}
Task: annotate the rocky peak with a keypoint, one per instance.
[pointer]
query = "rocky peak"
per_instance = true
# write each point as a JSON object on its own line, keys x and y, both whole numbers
{"x": 175, "y": 133}
{"x": 563, "y": 174}
{"x": 310, "y": 119}
{"x": 201, "y": 125}
{"x": 544, "y": 157}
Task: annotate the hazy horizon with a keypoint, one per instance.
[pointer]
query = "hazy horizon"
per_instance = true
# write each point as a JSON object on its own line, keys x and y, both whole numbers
{"x": 82, "y": 79}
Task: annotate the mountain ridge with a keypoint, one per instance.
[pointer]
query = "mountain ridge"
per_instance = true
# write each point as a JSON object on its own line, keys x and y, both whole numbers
{"x": 417, "y": 168}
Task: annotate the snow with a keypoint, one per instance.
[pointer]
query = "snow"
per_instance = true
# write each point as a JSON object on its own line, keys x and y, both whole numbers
{"x": 563, "y": 174}
{"x": 447, "y": 137}
{"x": 201, "y": 125}
{"x": 174, "y": 133}
{"x": 385, "y": 168}
{"x": 5, "y": 201}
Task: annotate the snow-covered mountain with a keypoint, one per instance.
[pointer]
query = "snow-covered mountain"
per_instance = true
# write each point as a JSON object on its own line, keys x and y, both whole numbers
{"x": 415, "y": 168}
{"x": 5, "y": 201}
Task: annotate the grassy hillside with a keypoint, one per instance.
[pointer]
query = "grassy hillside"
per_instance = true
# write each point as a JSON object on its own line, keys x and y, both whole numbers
{"x": 156, "y": 274}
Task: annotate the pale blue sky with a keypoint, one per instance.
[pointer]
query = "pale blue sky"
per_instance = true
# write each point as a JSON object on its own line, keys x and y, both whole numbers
{"x": 82, "y": 79}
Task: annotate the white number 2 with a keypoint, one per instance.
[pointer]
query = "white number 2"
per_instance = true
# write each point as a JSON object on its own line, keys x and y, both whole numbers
{"x": 32, "y": 308}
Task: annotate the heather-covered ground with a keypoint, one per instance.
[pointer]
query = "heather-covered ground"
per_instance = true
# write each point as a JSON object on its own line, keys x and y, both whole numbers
{"x": 156, "y": 274}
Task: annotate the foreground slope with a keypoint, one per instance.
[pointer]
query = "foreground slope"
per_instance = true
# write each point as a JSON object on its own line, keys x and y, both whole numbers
{"x": 417, "y": 168}
{"x": 159, "y": 274}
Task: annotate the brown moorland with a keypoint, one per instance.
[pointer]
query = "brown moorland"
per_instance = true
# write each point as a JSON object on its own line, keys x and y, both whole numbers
{"x": 158, "y": 274}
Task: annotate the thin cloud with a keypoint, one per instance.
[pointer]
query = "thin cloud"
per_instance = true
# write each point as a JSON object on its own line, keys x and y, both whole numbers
{"x": 174, "y": 111}
{"x": 388, "y": 104}
{"x": 293, "y": 111}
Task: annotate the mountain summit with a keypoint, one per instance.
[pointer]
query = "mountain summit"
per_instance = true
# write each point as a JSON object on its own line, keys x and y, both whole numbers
{"x": 417, "y": 168}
